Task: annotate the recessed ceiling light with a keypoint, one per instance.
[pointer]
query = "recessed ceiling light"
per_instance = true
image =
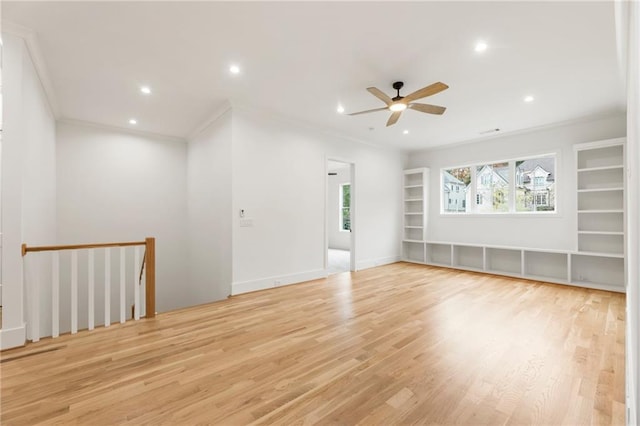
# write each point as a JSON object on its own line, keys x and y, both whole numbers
{"x": 133, "y": 121}
{"x": 481, "y": 46}
{"x": 405, "y": 132}
{"x": 145, "y": 89}
{"x": 528, "y": 98}
{"x": 340, "y": 109}
{"x": 234, "y": 69}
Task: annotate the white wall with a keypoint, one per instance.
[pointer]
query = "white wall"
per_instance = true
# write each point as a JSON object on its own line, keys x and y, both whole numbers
{"x": 28, "y": 179}
{"x": 279, "y": 178}
{"x": 338, "y": 239}
{"x": 209, "y": 200}
{"x": 117, "y": 186}
{"x": 551, "y": 232}
{"x": 633, "y": 214}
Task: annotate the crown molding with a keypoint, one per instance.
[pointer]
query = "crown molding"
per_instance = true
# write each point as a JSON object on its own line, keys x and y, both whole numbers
{"x": 33, "y": 47}
{"x": 211, "y": 118}
{"x": 578, "y": 120}
{"x": 117, "y": 129}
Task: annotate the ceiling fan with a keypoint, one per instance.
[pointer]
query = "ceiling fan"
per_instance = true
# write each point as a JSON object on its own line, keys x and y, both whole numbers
{"x": 399, "y": 103}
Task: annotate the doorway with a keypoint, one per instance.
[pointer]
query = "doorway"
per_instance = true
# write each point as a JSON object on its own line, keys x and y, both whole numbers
{"x": 340, "y": 256}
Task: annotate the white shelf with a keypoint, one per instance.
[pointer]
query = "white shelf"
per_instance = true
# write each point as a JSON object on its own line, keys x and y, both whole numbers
{"x": 602, "y": 211}
{"x": 415, "y": 182}
{"x": 596, "y": 169}
{"x": 601, "y": 189}
{"x": 567, "y": 267}
{"x": 600, "y": 233}
{"x": 600, "y": 254}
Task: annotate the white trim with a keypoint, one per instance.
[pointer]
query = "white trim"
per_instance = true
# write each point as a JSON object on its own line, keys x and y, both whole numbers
{"x": 372, "y": 263}
{"x": 33, "y": 48}
{"x": 133, "y": 132}
{"x": 617, "y": 112}
{"x": 211, "y": 118}
{"x": 277, "y": 281}
{"x": 13, "y": 337}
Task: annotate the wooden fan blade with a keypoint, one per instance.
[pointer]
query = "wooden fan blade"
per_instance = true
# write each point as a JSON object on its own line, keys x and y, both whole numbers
{"x": 394, "y": 118}
{"x": 369, "y": 110}
{"x": 380, "y": 95}
{"x": 429, "y": 109}
{"x": 426, "y": 91}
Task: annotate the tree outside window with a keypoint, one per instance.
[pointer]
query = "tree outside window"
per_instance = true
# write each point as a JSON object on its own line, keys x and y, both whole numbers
{"x": 345, "y": 207}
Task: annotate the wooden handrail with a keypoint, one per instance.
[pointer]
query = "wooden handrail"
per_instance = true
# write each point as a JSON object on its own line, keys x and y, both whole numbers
{"x": 149, "y": 261}
{"x": 26, "y": 249}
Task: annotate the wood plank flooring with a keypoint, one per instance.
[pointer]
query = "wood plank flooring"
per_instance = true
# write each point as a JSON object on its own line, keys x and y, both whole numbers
{"x": 397, "y": 344}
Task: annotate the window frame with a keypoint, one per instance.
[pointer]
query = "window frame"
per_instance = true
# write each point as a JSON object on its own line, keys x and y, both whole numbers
{"x": 471, "y": 208}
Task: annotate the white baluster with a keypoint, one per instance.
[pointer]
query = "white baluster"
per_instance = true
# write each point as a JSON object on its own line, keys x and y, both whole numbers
{"x": 55, "y": 294}
{"x": 136, "y": 286}
{"x": 91, "y": 299}
{"x": 74, "y": 291}
{"x": 107, "y": 287}
{"x": 122, "y": 287}
{"x": 35, "y": 300}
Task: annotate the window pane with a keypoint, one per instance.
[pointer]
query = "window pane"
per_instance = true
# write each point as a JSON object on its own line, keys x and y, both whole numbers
{"x": 454, "y": 189}
{"x": 535, "y": 184}
{"x": 345, "y": 207}
{"x": 492, "y": 188}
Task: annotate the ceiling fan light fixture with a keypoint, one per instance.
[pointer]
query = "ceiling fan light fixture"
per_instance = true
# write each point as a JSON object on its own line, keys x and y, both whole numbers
{"x": 397, "y": 106}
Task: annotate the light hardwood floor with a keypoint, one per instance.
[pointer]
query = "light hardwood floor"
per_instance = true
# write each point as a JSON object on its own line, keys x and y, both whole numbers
{"x": 398, "y": 344}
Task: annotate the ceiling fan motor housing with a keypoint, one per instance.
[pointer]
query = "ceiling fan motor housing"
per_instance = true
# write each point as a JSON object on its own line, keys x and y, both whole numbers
{"x": 397, "y": 86}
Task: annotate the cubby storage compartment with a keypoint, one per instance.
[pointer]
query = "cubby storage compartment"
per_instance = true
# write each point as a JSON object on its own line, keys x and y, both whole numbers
{"x": 600, "y": 222}
{"x": 504, "y": 261}
{"x": 601, "y": 200}
{"x": 439, "y": 254}
{"x": 598, "y": 270}
{"x": 413, "y": 252}
{"x": 413, "y": 207}
{"x": 549, "y": 265}
{"x": 605, "y": 156}
{"x": 469, "y": 257}
{"x": 413, "y": 220}
{"x": 601, "y": 243}
{"x": 413, "y": 179}
{"x": 601, "y": 178}
{"x": 414, "y": 234}
{"x": 413, "y": 193}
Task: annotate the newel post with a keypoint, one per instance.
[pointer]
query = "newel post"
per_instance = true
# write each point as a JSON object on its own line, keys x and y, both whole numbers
{"x": 150, "y": 282}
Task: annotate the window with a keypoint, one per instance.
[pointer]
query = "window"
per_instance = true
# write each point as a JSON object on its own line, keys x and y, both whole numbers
{"x": 536, "y": 192}
{"x": 492, "y": 191}
{"x": 454, "y": 185}
{"x": 345, "y": 207}
{"x": 513, "y": 186}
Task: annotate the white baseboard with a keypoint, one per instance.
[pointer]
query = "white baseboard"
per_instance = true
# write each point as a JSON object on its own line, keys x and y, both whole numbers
{"x": 372, "y": 263}
{"x": 13, "y": 337}
{"x": 278, "y": 281}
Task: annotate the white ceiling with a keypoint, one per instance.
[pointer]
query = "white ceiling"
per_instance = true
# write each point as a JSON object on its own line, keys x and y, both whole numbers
{"x": 301, "y": 59}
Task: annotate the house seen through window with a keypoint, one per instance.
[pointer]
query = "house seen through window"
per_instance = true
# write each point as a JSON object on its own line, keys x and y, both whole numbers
{"x": 514, "y": 186}
{"x": 345, "y": 207}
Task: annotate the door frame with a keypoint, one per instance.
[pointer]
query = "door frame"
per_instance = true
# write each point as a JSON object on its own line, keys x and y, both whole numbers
{"x": 352, "y": 210}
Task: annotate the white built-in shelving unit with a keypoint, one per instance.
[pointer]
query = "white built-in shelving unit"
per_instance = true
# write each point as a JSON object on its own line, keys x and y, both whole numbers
{"x": 601, "y": 205}
{"x": 415, "y": 185}
{"x": 597, "y": 262}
